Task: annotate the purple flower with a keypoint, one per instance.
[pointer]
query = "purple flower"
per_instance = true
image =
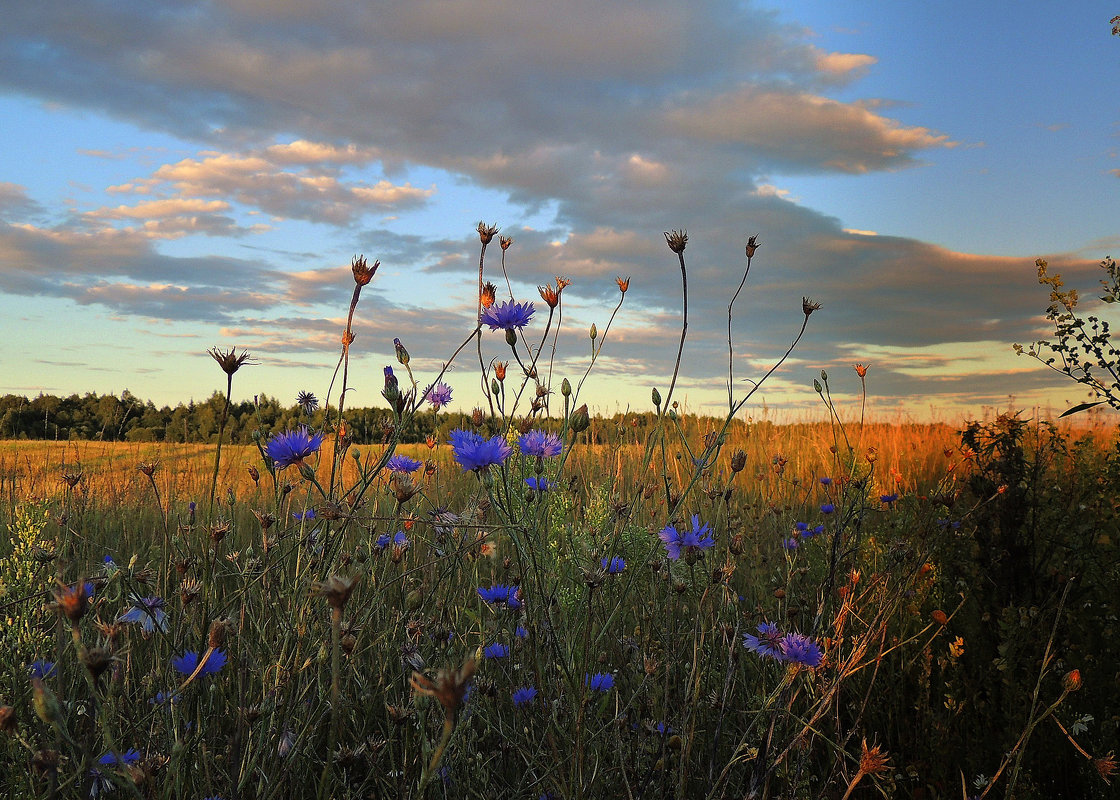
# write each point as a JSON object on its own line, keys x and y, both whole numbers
{"x": 540, "y": 443}
{"x": 827, "y": 508}
{"x": 292, "y": 447}
{"x": 309, "y": 514}
{"x": 521, "y": 633}
{"x": 524, "y": 696}
{"x": 800, "y": 649}
{"x": 540, "y": 484}
{"x": 42, "y": 669}
{"x": 600, "y": 682}
{"x": 693, "y": 541}
{"x": 768, "y": 643}
{"x": 495, "y": 650}
{"x": 507, "y": 315}
{"x": 499, "y": 594}
{"x": 307, "y": 402}
{"x": 398, "y": 539}
{"x": 888, "y": 499}
{"x": 188, "y": 662}
{"x": 438, "y": 395}
{"x": 614, "y": 565}
{"x": 130, "y": 756}
{"x": 826, "y": 481}
{"x": 402, "y": 463}
{"x": 478, "y": 454}
{"x": 791, "y": 543}
{"x": 148, "y": 611}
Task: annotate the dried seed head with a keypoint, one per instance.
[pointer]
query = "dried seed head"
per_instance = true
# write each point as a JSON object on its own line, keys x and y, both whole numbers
{"x": 1071, "y": 681}
{"x": 73, "y": 600}
{"x": 489, "y": 294}
{"x": 336, "y": 590}
{"x": 71, "y": 479}
{"x": 505, "y": 241}
{"x": 677, "y": 240}
{"x": 449, "y": 686}
{"x": 148, "y": 467}
{"x": 623, "y": 283}
{"x": 1106, "y": 767}
{"x": 861, "y": 369}
{"x": 219, "y": 629}
{"x": 363, "y": 273}
{"x": 188, "y": 590}
{"x": 486, "y": 232}
{"x": 255, "y": 474}
{"x": 808, "y": 306}
{"x": 872, "y": 761}
{"x": 549, "y": 295}
{"x": 752, "y": 245}
{"x": 738, "y": 460}
{"x": 229, "y": 360}
{"x": 97, "y": 660}
{"x": 500, "y": 370}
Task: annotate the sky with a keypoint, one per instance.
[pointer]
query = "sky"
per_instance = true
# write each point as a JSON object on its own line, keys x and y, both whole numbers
{"x": 178, "y": 176}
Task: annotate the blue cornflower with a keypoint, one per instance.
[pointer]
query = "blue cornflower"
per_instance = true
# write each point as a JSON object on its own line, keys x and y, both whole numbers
{"x": 540, "y": 443}
{"x": 402, "y": 463}
{"x": 398, "y": 539}
{"x": 791, "y": 543}
{"x": 809, "y": 533}
{"x": 540, "y": 484}
{"x": 614, "y": 565}
{"x": 148, "y": 611}
{"x": 826, "y": 481}
{"x": 495, "y": 650}
{"x": 499, "y": 594}
{"x": 695, "y": 540}
{"x": 292, "y": 447}
{"x": 524, "y": 696}
{"x": 438, "y": 395}
{"x": 888, "y": 499}
{"x": 42, "y": 669}
{"x": 600, "y": 682}
{"x": 827, "y": 508}
{"x": 478, "y": 454}
{"x": 100, "y": 782}
{"x": 307, "y": 515}
{"x": 800, "y": 649}
{"x": 164, "y": 699}
{"x": 521, "y": 632}
{"x": 188, "y": 662}
{"x": 507, "y": 315}
{"x": 768, "y": 642}
{"x": 131, "y": 756}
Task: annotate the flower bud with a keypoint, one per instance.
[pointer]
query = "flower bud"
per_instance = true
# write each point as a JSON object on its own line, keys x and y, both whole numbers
{"x": 402, "y": 354}
{"x": 656, "y": 395}
{"x": 511, "y": 337}
{"x": 580, "y": 420}
{"x": 738, "y": 460}
{"x": 566, "y": 388}
{"x": 1071, "y": 681}
{"x": 594, "y": 332}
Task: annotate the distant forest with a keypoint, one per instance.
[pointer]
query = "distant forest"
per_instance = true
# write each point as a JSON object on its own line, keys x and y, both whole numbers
{"x": 127, "y": 418}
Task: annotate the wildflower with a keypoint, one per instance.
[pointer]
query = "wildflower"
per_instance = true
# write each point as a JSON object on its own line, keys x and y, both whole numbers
{"x": 401, "y": 352}
{"x": 826, "y": 481}
{"x": 495, "y": 650}
{"x": 614, "y": 565}
{"x": 888, "y": 499}
{"x": 693, "y": 541}
{"x": 540, "y": 484}
{"x": 500, "y": 594}
{"x": 791, "y": 543}
{"x": 148, "y": 611}
{"x": 188, "y": 663}
{"x": 73, "y": 600}
{"x": 438, "y": 395}
{"x": 507, "y": 315}
{"x": 100, "y": 782}
{"x": 307, "y": 515}
{"x": 402, "y": 463}
{"x": 229, "y": 360}
{"x": 521, "y": 633}
{"x": 827, "y": 508}
{"x": 292, "y": 447}
{"x": 540, "y": 443}
{"x": 472, "y": 452}
{"x": 623, "y": 283}
{"x": 131, "y": 756}
{"x": 164, "y": 699}
{"x": 768, "y": 643}
{"x": 801, "y": 649}
{"x": 524, "y": 696}
{"x": 399, "y": 539}
{"x": 600, "y": 682}
{"x": 42, "y": 669}
{"x": 677, "y": 241}
{"x": 307, "y": 402}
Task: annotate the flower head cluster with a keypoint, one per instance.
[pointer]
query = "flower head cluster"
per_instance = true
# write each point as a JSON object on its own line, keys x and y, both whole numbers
{"x": 795, "y": 648}
{"x": 438, "y": 395}
{"x": 475, "y": 453}
{"x": 500, "y": 594}
{"x": 540, "y": 484}
{"x": 540, "y": 443}
{"x": 42, "y": 669}
{"x": 292, "y": 447}
{"x": 402, "y": 463}
{"x": 688, "y": 542}
{"x": 507, "y": 315}
{"x": 495, "y": 650}
{"x": 524, "y": 696}
{"x": 613, "y": 566}
{"x": 600, "y": 682}
{"x": 148, "y": 611}
{"x": 188, "y": 663}
{"x": 399, "y": 539}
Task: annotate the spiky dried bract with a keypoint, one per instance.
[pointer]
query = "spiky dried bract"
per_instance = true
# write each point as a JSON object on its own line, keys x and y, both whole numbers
{"x": 505, "y": 241}
{"x": 363, "y": 272}
{"x": 148, "y": 467}
{"x": 229, "y": 360}
{"x": 336, "y": 590}
{"x": 1106, "y": 765}
{"x": 677, "y": 240}
{"x": 872, "y": 760}
{"x": 752, "y": 245}
{"x": 73, "y": 600}
{"x": 623, "y": 283}
{"x": 486, "y": 232}
{"x": 861, "y": 369}
{"x": 449, "y": 686}
{"x": 808, "y": 306}
{"x": 489, "y": 294}
{"x": 549, "y": 295}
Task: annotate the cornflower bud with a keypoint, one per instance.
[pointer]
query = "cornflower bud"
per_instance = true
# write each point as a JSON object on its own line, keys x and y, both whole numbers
{"x": 580, "y": 420}
{"x": 738, "y": 460}
{"x": 254, "y": 474}
{"x": 594, "y": 332}
{"x": 566, "y": 388}
{"x": 402, "y": 354}
{"x": 656, "y": 396}
{"x": 511, "y": 337}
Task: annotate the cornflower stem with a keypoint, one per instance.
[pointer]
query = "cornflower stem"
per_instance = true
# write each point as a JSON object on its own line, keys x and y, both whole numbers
{"x": 437, "y": 755}
{"x": 332, "y": 734}
{"x": 221, "y": 435}
{"x": 684, "y": 330}
{"x": 730, "y": 352}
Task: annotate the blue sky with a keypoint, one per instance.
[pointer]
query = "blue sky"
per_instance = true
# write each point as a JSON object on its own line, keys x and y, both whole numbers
{"x": 178, "y": 176}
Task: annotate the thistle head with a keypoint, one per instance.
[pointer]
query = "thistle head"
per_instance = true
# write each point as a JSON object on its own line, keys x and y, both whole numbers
{"x": 486, "y": 232}
{"x": 229, "y": 360}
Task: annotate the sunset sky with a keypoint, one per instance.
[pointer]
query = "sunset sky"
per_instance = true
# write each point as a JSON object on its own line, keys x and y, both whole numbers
{"x": 176, "y": 176}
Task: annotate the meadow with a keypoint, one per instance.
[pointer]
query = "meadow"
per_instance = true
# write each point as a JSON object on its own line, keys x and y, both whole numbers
{"x": 551, "y": 605}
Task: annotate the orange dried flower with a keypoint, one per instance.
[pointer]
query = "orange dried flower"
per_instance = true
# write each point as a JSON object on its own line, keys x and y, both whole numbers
{"x": 1106, "y": 767}
{"x": 872, "y": 760}
{"x": 500, "y": 370}
{"x": 363, "y": 273}
{"x": 489, "y": 292}
{"x": 940, "y": 617}
{"x": 549, "y": 295}
{"x": 861, "y": 369}
{"x": 623, "y": 283}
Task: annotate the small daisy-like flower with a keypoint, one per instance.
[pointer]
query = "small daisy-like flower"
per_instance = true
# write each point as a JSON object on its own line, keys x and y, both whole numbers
{"x": 507, "y": 315}
{"x": 600, "y": 682}
{"x": 800, "y": 649}
{"x": 438, "y": 395}
{"x": 540, "y": 484}
{"x": 188, "y": 663}
{"x": 693, "y": 541}
{"x": 472, "y": 452}
{"x": 768, "y": 643}
{"x": 524, "y": 696}
{"x": 148, "y": 611}
{"x": 292, "y": 447}
{"x": 402, "y": 463}
{"x": 499, "y": 594}
{"x": 307, "y": 402}
{"x": 495, "y": 650}
{"x": 540, "y": 443}
{"x": 613, "y": 566}
{"x": 42, "y": 669}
